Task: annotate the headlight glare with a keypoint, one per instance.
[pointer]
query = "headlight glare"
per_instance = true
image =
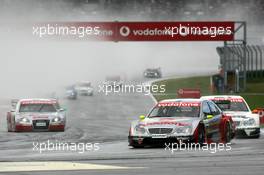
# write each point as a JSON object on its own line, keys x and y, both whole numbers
{"x": 183, "y": 130}
{"x": 56, "y": 119}
{"x": 24, "y": 120}
{"x": 140, "y": 129}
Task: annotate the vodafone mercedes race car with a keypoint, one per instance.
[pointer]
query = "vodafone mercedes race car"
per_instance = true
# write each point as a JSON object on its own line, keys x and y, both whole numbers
{"x": 36, "y": 115}
{"x": 247, "y": 123}
{"x": 186, "y": 120}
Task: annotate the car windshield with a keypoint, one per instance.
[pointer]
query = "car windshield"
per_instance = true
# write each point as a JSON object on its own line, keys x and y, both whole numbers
{"x": 37, "y": 108}
{"x": 175, "y": 111}
{"x": 152, "y": 70}
{"x": 85, "y": 84}
{"x": 232, "y": 106}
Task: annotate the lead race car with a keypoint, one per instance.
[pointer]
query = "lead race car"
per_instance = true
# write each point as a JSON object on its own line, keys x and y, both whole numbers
{"x": 188, "y": 120}
{"x": 36, "y": 115}
{"x": 247, "y": 123}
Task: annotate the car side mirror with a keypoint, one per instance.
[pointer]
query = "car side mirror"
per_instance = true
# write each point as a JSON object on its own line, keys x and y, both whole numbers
{"x": 142, "y": 117}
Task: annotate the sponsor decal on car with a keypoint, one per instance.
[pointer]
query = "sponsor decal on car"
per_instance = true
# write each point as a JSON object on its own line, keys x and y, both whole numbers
{"x": 239, "y": 100}
{"x": 182, "y": 104}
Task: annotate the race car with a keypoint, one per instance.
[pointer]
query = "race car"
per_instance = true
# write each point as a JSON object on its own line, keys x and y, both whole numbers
{"x": 36, "y": 115}
{"x": 113, "y": 81}
{"x": 247, "y": 123}
{"x": 71, "y": 93}
{"x": 152, "y": 73}
{"x": 186, "y": 120}
{"x": 84, "y": 88}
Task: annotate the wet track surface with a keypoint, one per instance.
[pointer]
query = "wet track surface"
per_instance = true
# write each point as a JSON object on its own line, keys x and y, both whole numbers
{"x": 106, "y": 119}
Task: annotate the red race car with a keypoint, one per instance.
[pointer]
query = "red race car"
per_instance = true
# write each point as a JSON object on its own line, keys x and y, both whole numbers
{"x": 36, "y": 115}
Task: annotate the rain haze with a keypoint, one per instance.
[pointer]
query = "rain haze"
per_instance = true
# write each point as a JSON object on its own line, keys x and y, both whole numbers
{"x": 115, "y": 105}
{"x": 30, "y": 67}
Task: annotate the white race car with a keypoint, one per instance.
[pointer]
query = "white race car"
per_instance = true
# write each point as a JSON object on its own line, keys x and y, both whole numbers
{"x": 84, "y": 88}
{"x": 247, "y": 123}
{"x": 36, "y": 115}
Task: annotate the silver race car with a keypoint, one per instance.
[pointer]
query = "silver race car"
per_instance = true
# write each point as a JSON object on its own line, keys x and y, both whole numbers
{"x": 36, "y": 115}
{"x": 85, "y": 88}
{"x": 152, "y": 73}
{"x": 247, "y": 123}
{"x": 188, "y": 120}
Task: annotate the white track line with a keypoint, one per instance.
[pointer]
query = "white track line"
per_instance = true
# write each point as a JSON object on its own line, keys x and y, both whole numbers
{"x": 55, "y": 166}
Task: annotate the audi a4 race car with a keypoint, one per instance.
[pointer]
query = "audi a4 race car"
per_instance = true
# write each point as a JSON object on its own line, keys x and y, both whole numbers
{"x": 152, "y": 73}
{"x": 188, "y": 120}
{"x": 36, "y": 115}
{"x": 247, "y": 123}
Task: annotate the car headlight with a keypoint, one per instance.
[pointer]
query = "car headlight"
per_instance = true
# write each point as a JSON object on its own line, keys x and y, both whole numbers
{"x": 24, "y": 120}
{"x": 249, "y": 122}
{"x": 183, "y": 130}
{"x": 56, "y": 119}
{"x": 156, "y": 73}
{"x": 140, "y": 129}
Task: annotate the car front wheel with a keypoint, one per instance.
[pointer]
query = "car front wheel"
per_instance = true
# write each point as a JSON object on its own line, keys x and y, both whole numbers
{"x": 227, "y": 133}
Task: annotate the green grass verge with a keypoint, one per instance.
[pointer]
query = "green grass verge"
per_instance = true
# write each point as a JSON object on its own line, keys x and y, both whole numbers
{"x": 203, "y": 82}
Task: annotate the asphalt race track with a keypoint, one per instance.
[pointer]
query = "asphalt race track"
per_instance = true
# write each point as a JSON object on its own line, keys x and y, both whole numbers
{"x": 105, "y": 120}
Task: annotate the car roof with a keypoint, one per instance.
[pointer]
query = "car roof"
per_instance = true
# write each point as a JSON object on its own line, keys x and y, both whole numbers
{"x": 182, "y": 100}
{"x": 152, "y": 69}
{"x": 38, "y": 99}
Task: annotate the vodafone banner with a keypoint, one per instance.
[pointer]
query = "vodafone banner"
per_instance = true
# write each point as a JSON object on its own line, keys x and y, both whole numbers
{"x": 137, "y": 31}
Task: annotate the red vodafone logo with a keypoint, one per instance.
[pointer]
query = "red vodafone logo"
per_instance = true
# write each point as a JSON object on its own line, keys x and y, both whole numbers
{"x": 189, "y": 93}
{"x": 181, "y": 91}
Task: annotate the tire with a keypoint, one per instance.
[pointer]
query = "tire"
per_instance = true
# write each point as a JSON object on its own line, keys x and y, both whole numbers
{"x": 137, "y": 146}
{"x": 8, "y": 127}
{"x": 255, "y": 136}
{"x": 14, "y": 127}
{"x": 201, "y": 136}
{"x": 227, "y": 133}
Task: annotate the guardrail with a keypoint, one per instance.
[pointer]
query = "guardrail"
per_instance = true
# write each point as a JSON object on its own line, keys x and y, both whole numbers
{"x": 254, "y": 59}
{"x": 245, "y": 61}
